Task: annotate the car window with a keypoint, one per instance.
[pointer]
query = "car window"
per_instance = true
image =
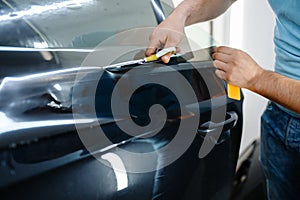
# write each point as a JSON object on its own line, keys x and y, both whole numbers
{"x": 77, "y": 23}
{"x": 15, "y": 32}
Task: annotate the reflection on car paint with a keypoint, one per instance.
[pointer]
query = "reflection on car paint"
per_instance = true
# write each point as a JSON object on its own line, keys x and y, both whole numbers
{"x": 119, "y": 169}
{"x": 39, "y": 145}
{"x": 39, "y": 9}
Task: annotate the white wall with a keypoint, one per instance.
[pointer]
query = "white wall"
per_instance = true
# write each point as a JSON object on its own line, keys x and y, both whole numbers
{"x": 252, "y": 24}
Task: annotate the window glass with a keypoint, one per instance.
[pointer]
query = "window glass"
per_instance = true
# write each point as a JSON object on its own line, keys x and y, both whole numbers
{"x": 76, "y": 23}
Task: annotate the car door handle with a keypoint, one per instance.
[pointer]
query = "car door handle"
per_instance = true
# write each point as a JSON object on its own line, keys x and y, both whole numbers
{"x": 211, "y": 129}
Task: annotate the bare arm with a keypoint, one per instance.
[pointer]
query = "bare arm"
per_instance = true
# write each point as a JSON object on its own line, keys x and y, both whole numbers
{"x": 280, "y": 89}
{"x": 171, "y": 31}
{"x": 238, "y": 68}
{"x": 202, "y": 10}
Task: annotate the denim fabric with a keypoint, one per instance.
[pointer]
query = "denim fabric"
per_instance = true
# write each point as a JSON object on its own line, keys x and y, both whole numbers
{"x": 280, "y": 153}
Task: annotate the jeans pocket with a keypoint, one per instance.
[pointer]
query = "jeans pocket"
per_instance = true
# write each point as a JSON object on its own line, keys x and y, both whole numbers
{"x": 267, "y": 112}
{"x": 292, "y": 137}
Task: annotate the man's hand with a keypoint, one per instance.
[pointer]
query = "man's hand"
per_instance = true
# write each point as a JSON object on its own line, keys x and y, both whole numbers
{"x": 239, "y": 69}
{"x": 171, "y": 31}
{"x": 168, "y": 34}
{"x": 236, "y": 67}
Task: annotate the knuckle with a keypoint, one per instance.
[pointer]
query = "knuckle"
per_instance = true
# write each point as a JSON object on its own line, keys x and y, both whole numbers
{"x": 216, "y": 63}
{"x": 239, "y": 53}
{"x": 220, "y": 48}
{"x": 218, "y": 73}
{"x": 234, "y": 62}
{"x": 216, "y": 56}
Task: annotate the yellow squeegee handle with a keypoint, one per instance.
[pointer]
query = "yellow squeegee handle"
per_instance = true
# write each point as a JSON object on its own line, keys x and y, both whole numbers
{"x": 159, "y": 54}
{"x": 151, "y": 58}
{"x": 234, "y": 92}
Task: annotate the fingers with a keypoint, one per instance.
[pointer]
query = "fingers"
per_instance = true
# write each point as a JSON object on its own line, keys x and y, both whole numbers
{"x": 163, "y": 37}
{"x": 158, "y": 45}
{"x": 155, "y": 42}
{"x": 224, "y": 50}
{"x": 152, "y": 47}
{"x": 166, "y": 58}
{"x": 223, "y": 54}
{"x": 221, "y": 74}
{"x": 221, "y": 57}
{"x": 157, "y": 39}
{"x": 234, "y": 66}
{"x": 150, "y": 51}
{"x": 221, "y": 70}
{"x": 220, "y": 65}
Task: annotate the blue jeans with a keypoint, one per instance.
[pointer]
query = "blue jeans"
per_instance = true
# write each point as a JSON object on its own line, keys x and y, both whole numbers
{"x": 280, "y": 153}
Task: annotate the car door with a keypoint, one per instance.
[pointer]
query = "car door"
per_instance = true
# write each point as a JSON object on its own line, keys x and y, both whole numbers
{"x": 64, "y": 131}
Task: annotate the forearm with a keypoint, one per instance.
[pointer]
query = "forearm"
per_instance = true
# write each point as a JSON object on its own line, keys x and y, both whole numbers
{"x": 280, "y": 89}
{"x": 193, "y": 11}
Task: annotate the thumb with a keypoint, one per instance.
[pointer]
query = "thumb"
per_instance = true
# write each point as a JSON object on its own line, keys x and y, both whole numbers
{"x": 166, "y": 58}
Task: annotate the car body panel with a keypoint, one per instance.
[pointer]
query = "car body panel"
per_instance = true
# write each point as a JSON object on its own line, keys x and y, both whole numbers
{"x": 45, "y": 81}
